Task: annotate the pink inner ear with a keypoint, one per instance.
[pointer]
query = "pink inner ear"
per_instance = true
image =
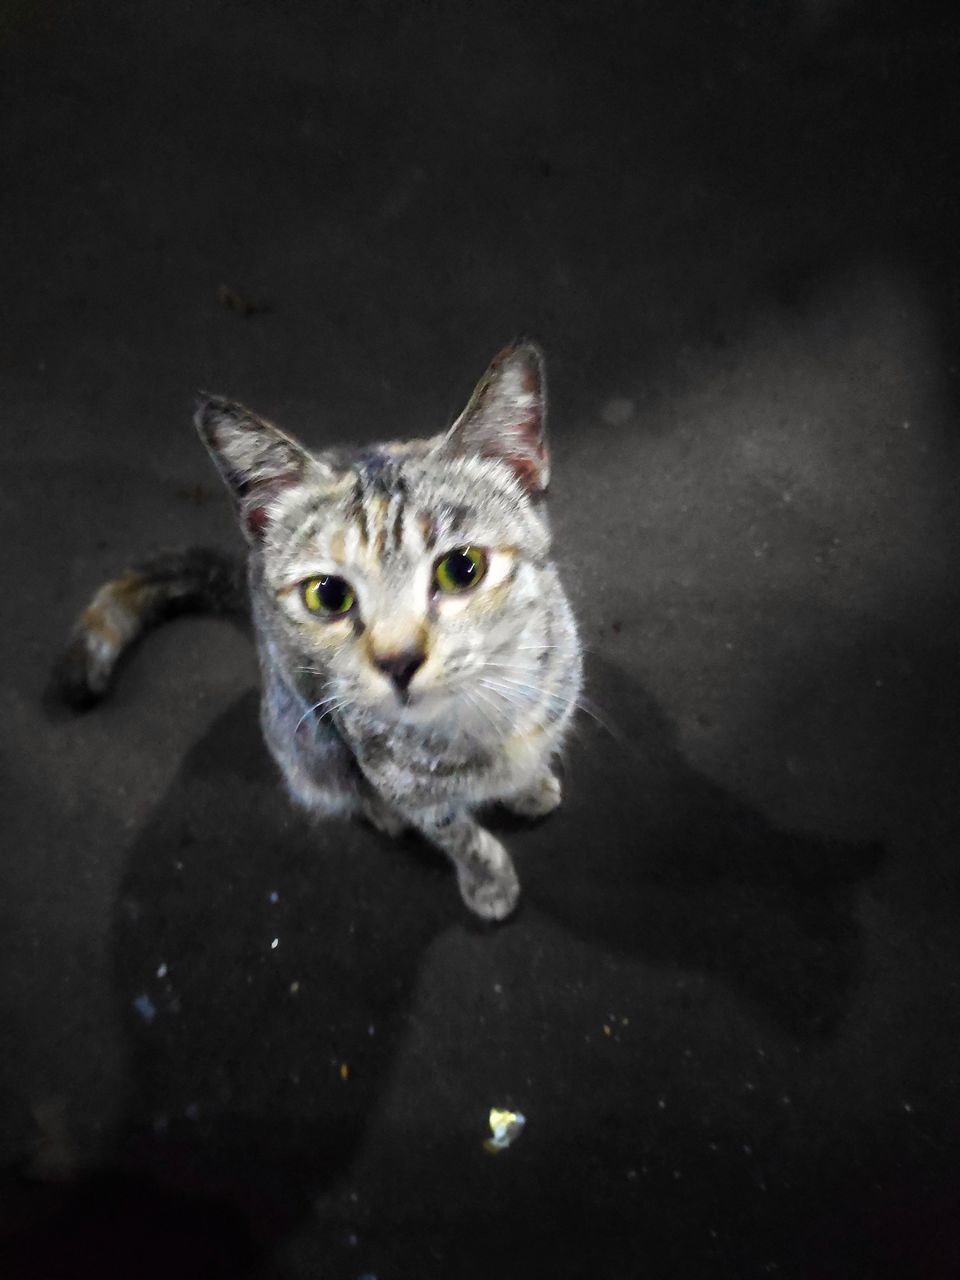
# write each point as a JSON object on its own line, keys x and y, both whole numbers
{"x": 257, "y": 517}
{"x": 527, "y": 431}
{"x": 257, "y": 521}
{"x": 526, "y": 469}
{"x": 507, "y": 432}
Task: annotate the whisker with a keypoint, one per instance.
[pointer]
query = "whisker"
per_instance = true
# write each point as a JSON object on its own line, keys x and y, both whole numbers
{"x": 515, "y": 696}
{"x": 336, "y": 703}
{"x": 542, "y": 648}
{"x": 584, "y": 703}
{"x": 504, "y": 718}
{"x": 469, "y": 698}
{"x": 344, "y": 702}
{"x": 512, "y": 697}
{"x": 529, "y": 693}
{"x": 524, "y": 685}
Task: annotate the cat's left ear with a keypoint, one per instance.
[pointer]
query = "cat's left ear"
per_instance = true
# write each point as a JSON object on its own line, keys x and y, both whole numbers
{"x": 256, "y": 460}
{"x": 506, "y": 416}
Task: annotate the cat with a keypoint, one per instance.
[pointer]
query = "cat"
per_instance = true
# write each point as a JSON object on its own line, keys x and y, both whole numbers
{"x": 419, "y": 658}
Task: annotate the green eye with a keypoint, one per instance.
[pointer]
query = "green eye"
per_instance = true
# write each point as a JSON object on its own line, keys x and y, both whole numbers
{"x": 327, "y": 595}
{"x": 460, "y": 570}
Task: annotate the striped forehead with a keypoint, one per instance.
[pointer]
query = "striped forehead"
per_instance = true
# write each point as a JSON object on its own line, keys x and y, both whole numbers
{"x": 369, "y": 519}
{"x": 398, "y": 512}
{"x": 387, "y": 512}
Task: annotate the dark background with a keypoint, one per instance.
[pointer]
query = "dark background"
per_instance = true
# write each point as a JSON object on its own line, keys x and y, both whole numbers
{"x": 729, "y": 1005}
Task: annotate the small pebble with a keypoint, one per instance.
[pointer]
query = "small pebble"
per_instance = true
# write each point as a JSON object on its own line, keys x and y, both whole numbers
{"x": 162, "y": 971}
{"x": 274, "y": 944}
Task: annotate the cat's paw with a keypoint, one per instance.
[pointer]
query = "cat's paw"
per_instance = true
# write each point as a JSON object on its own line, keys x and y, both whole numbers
{"x": 539, "y": 800}
{"x": 489, "y": 885}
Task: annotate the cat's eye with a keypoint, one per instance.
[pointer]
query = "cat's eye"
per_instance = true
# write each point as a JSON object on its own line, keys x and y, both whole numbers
{"x": 459, "y": 570}
{"x": 329, "y": 595}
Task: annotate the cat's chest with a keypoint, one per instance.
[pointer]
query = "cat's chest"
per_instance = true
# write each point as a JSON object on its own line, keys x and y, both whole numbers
{"x": 436, "y": 768}
{"x": 424, "y": 768}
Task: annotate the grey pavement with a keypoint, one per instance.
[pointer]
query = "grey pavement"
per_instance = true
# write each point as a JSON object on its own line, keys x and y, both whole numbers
{"x": 729, "y": 1005}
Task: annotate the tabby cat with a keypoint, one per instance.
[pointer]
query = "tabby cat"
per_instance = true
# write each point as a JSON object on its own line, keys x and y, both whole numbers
{"x": 419, "y": 658}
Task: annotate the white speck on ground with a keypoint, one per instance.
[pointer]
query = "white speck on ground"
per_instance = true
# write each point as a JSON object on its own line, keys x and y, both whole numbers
{"x": 505, "y": 1128}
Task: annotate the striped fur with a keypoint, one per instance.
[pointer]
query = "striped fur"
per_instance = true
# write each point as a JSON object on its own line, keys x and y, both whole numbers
{"x": 496, "y": 672}
{"x": 197, "y": 580}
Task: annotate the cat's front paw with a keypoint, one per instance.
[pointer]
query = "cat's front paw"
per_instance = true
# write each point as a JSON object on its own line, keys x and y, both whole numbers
{"x": 489, "y": 885}
{"x": 539, "y": 800}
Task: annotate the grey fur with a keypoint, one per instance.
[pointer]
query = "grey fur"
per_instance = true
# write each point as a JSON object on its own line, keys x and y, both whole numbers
{"x": 486, "y": 709}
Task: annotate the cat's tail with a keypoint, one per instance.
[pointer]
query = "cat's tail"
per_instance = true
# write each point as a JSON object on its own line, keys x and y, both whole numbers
{"x": 195, "y": 580}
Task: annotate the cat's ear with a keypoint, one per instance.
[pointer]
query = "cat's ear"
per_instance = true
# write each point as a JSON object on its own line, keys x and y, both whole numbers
{"x": 256, "y": 460}
{"x": 505, "y": 417}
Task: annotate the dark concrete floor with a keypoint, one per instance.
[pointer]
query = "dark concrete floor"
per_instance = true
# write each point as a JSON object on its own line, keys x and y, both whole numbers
{"x": 729, "y": 1006}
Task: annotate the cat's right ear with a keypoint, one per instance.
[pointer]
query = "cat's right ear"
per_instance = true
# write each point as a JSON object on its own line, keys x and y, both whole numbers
{"x": 256, "y": 460}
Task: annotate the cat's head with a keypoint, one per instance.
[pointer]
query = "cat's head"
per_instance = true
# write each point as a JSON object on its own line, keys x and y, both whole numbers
{"x": 410, "y": 579}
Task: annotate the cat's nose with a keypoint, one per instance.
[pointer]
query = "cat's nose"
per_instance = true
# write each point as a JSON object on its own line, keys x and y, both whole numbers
{"x": 400, "y": 667}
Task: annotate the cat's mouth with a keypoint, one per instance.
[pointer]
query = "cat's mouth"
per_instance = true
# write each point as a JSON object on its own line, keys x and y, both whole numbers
{"x": 427, "y": 708}
{"x": 455, "y": 706}
{"x": 417, "y": 706}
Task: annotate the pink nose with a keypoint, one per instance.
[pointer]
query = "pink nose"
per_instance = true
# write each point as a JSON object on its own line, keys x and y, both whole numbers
{"x": 400, "y": 667}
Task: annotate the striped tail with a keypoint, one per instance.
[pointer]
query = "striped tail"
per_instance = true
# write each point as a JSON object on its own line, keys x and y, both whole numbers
{"x": 196, "y": 580}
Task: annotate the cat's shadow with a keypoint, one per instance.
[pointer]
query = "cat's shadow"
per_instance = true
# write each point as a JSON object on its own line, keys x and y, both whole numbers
{"x": 653, "y": 859}
{"x": 265, "y": 966}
